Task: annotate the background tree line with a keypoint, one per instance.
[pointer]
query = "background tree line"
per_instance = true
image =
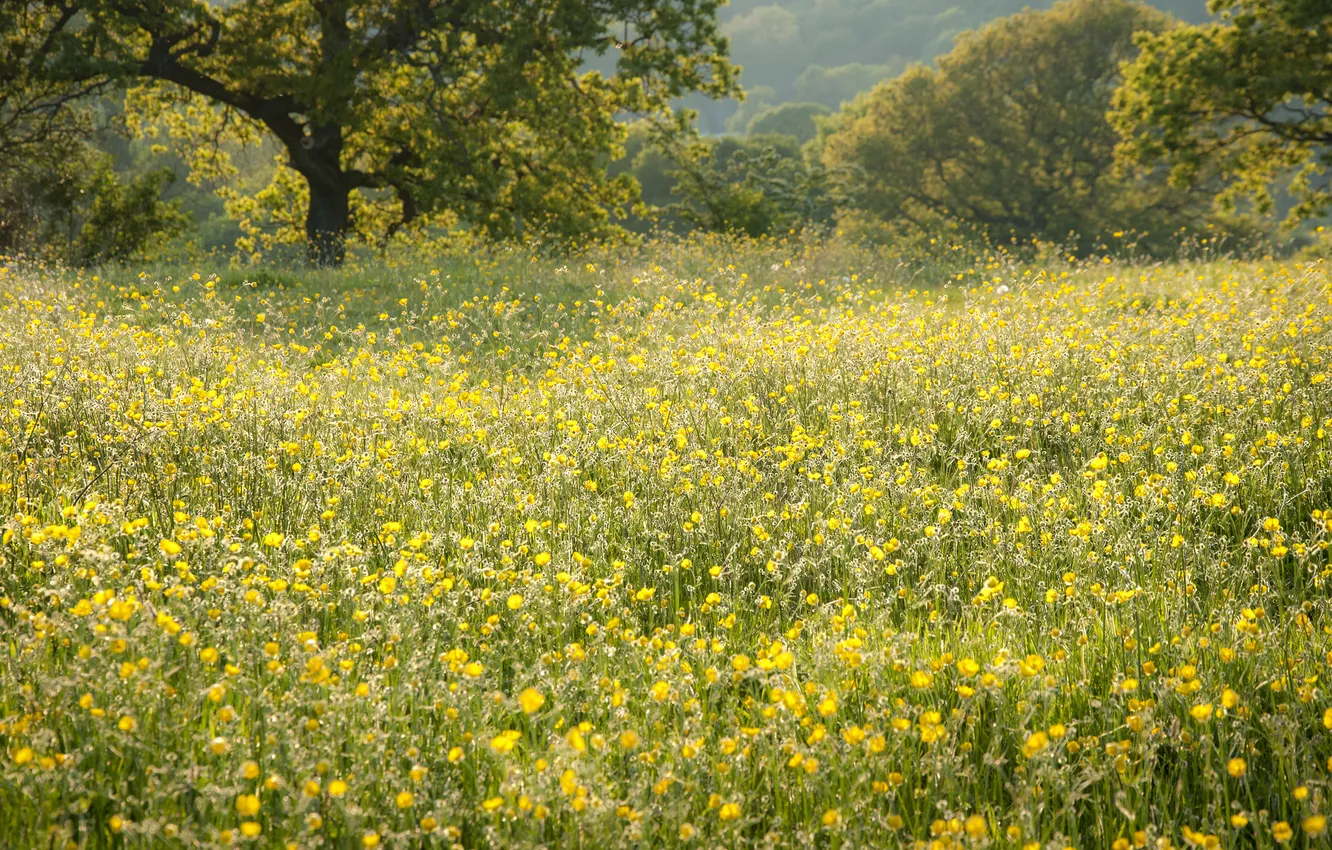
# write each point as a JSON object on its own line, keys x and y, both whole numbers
{"x": 126, "y": 127}
{"x": 829, "y": 51}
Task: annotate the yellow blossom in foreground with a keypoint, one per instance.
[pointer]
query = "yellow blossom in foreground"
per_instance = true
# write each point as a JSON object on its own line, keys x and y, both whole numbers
{"x": 531, "y": 700}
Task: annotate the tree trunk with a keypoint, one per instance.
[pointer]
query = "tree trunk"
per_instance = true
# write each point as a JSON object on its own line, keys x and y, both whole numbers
{"x": 326, "y": 223}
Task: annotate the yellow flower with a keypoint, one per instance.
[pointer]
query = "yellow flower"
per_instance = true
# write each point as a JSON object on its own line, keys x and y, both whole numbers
{"x": 828, "y": 705}
{"x": 404, "y": 800}
{"x": 370, "y": 839}
{"x": 337, "y": 788}
{"x": 1314, "y": 825}
{"x": 531, "y": 700}
{"x": 514, "y": 602}
{"x": 1236, "y": 767}
{"x": 729, "y": 811}
{"x": 250, "y": 829}
{"x": 921, "y": 679}
{"x": 832, "y": 818}
{"x": 577, "y": 741}
{"x": 1202, "y": 712}
{"x": 273, "y": 539}
{"x": 1282, "y": 832}
{"x": 976, "y": 826}
{"x": 1036, "y": 742}
{"x": 169, "y": 547}
{"x": 247, "y": 805}
{"x": 505, "y": 742}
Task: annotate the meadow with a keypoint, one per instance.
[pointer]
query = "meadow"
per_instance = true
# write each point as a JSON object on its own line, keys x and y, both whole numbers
{"x": 702, "y": 545}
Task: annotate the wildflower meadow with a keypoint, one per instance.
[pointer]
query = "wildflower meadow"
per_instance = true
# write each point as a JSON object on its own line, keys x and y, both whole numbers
{"x": 696, "y": 546}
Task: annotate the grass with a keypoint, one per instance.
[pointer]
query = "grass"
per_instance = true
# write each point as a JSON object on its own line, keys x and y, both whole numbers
{"x": 704, "y": 545}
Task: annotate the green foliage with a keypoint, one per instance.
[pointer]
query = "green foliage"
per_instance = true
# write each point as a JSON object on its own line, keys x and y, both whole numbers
{"x": 124, "y": 218}
{"x": 42, "y": 128}
{"x": 797, "y": 120}
{"x": 834, "y": 86}
{"x": 757, "y": 185}
{"x": 828, "y": 51}
{"x": 394, "y": 113}
{"x": 39, "y": 122}
{"x": 758, "y": 99}
{"x": 295, "y": 121}
{"x": 60, "y": 198}
{"x": 1008, "y": 136}
{"x": 1245, "y": 99}
{"x": 84, "y": 213}
{"x": 724, "y": 193}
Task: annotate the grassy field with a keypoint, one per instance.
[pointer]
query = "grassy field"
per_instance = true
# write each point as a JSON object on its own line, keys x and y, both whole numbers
{"x": 700, "y": 547}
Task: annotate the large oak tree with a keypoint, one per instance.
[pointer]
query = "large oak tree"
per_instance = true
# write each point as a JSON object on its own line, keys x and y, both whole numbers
{"x": 481, "y": 108}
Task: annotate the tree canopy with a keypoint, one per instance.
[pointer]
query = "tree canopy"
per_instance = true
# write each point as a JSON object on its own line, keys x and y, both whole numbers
{"x": 828, "y": 51}
{"x": 60, "y": 197}
{"x": 1008, "y": 135}
{"x": 1244, "y": 100}
{"x": 387, "y": 111}
{"x": 797, "y": 120}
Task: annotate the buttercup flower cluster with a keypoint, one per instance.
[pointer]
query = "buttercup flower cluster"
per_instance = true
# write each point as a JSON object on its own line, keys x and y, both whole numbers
{"x": 685, "y": 551}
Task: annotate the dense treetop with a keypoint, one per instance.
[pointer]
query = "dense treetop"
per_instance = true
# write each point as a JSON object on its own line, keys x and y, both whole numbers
{"x": 828, "y": 51}
{"x": 1008, "y": 135}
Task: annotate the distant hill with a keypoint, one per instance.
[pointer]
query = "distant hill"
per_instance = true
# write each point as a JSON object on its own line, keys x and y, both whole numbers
{"x": 827, "y": 51}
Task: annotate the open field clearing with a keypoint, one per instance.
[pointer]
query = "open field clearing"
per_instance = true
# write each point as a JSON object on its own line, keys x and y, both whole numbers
{"x": 688, "y": 551}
